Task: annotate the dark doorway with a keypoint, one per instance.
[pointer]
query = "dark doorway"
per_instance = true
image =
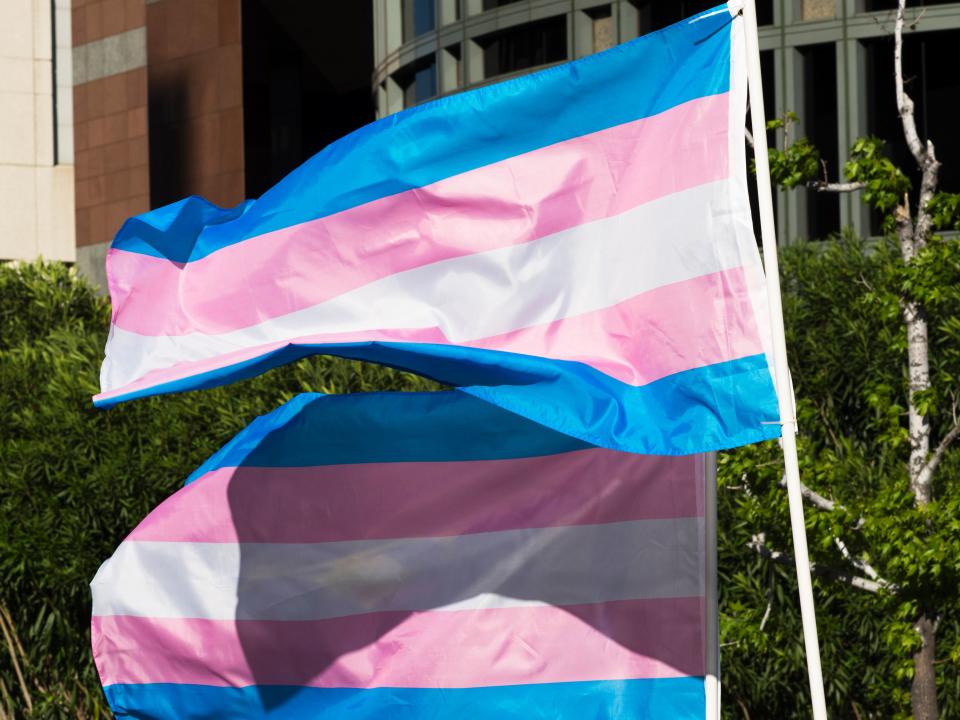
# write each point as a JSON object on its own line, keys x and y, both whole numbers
{"x": 306, "y": 81}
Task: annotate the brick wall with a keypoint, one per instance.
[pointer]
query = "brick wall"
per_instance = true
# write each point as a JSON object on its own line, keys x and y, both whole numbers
{"x": 110, "y": 122}
{"x": 196, "y": 99}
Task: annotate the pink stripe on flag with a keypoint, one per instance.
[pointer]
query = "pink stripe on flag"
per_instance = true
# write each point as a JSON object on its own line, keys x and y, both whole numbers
{"x": 638, "y": 341}
{"x": 676, "y": 327}
{"x": 514, "y": 201}
{"x": 445, "y": 649}
{"x": 424, "y": 499}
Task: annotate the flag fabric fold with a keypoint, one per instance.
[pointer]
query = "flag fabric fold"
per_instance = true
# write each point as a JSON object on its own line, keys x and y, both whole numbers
{"x": 574, "y": 246}
{"x": 408, "y": 556}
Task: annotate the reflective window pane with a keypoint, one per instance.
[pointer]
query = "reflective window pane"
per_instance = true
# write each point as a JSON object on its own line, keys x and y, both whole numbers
{"x": 929, "y": 70}
{"x": 524, "y": 47}
{"x": 419, "y": 17}
{"x": 820, "y": 122}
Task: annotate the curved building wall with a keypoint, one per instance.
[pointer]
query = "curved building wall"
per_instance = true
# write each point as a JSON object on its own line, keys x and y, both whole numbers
{"x": 427, "y": 48}
{"x": 824, "y": 59}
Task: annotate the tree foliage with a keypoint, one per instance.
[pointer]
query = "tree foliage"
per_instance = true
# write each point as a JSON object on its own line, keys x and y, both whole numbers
{"x": 847, "y": 349}
{"x": 798, "y": 163}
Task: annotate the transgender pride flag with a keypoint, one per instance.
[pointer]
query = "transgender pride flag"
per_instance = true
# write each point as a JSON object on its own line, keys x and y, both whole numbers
{"x": 575, "y": 246}
{"x": 412, "y": 557}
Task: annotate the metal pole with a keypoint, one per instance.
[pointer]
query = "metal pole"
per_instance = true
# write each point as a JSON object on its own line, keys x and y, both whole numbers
{"x": 712, "y": 634}
{"x": 784, "y": 389}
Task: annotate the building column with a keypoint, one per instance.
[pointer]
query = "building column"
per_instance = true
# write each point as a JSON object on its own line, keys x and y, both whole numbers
{"x": 795, "y": 215}
{"x": 852, "y": 101}
{"x": 110, "y": 127}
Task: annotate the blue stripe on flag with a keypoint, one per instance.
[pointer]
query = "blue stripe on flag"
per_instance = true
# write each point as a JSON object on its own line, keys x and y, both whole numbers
{"x": 450, "y": 429}
{"x": 458, "y": 133}
{"x": 674, "y": 698}
{"x": 713, "y": 407}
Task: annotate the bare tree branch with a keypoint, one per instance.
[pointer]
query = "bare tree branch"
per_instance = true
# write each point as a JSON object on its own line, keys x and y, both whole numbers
{"x": 814, "y": 498}
{"x": 769, "y": 610}
{"x": 925, "y": 155}
{"x": 828, "y": 504}
{"x": 8, "y": 635}
{"x": 758, "y": 544}
{"x": 904, "y": 102}
{"x": 862, "y": 565}
{"x": 766, "y": 614}
{"x": 749, "y": 136}
{"x": 858, "y": 582}
{"x": 824, "y": 184}
{"x": 746, "y": 714}
{"x": 835, "y": 187}
{"x": 926, "y": 475}
{"x": 7, "y": 700}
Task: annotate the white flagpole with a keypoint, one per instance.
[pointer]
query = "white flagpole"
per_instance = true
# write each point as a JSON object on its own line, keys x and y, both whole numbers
{"x": 784, "y": 387}
{"x": 712, "y": 634}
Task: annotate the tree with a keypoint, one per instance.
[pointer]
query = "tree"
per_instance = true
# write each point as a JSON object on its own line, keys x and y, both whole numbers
{"x": 877, "y": 555}
{"x": 917, "y": 286}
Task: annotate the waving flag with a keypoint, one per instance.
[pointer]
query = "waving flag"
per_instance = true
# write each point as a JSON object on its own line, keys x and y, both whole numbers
{"x": 574, "y": 245}
{"x": 411, "y": 556}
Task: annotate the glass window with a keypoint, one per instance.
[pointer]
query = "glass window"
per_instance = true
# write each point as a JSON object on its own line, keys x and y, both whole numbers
{"x": 820, "y": 122}
{"x": 418, "y": 80}
{"x": 764, "y": 12}
{"x": 769, "y": 93}
{"x": 881, "y": 5}
{"x": 524, "y": 47}
{"x": 426, "y": 81}
{"x": 929, "y": 70}
{"x": 291, "y": 106}
{"x": 491, "y": 4}
{"x": 657, "y": 14}
{"x": 419, "y": 17}
{"x": 62, "y": 66}
{"x": 424, "y": 16}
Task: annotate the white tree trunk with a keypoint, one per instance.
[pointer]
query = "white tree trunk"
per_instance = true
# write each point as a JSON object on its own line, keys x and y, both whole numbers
{"x": 919, "y": 426}
{"x": 913, "y": 238}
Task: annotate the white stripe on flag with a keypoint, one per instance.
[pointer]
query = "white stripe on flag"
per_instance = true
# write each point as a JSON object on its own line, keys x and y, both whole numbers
{"x": 494, "y": 292}
{"x": 279, "y": 581}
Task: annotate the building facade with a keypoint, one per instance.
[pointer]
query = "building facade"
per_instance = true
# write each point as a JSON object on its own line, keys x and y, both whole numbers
{"x": 114, "y": 107}
{"x": 157, "y": 91}
{"x": 36, "y": 131}
{"x": 830, "y": 61}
